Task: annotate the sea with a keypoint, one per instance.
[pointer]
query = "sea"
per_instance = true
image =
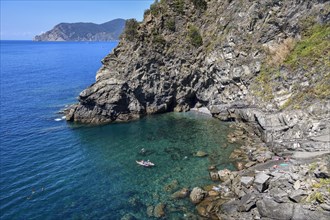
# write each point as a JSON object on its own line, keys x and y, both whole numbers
{"x": 53, "y": 169}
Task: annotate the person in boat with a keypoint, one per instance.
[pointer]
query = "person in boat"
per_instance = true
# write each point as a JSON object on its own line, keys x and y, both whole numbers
{"x": 147, "y": 163}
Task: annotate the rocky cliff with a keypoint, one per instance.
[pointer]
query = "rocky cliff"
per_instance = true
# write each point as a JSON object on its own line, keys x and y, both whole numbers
{"x": 84, "y": 32}
{"x": 264, "y": 62}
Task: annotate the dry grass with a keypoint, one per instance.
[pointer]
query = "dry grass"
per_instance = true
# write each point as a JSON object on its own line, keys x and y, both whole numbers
{"x": 278, "y": 53}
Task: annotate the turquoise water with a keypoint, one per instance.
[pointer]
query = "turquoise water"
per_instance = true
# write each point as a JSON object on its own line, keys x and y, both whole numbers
{"x": 51, "y": 169}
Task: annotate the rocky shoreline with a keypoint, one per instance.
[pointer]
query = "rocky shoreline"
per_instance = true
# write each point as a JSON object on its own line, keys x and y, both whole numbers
{"x": 262, "y": 63}
{"x": 267, "y": 186}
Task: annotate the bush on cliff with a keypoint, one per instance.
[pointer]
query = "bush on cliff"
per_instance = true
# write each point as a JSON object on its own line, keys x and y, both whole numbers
{"x": 194, "y": 36}
{"x": 156, "y": 8}
{"x": 170, "y": 24}
{"x": 178, "y": 6}
{"x": 200, "y": 4}
{"x": 131, "y": 32}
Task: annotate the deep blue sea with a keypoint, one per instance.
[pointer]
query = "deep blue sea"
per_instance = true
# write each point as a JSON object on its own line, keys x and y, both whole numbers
{"x": 51, "y": 169}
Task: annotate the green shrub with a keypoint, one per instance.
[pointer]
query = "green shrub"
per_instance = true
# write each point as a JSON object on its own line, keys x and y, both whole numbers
{"x": 313, "y": 49}
{"x": 154, "y": 8}
{"x": 146, "y": 13}
{"x": 170, "y": 24}
{"x": 194, "y": 36}
{"x": 178, "y": 6}
{"x": 131, "y": 32}
{"x": 158, "y": 40}
{"x": 200, "y": 4}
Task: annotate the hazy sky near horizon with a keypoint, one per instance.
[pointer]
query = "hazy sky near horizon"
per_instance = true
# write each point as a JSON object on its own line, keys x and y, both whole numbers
{"x": 23, "y": 19}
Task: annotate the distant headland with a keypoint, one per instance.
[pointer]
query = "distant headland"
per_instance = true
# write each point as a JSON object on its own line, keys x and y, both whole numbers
{"x": 80, "y": 31}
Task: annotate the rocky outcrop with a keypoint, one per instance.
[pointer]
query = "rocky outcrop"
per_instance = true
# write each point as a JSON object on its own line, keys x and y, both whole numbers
{"x": 84, "y": 31}
{"x": 264, "y": 63}
{"x": 162, "y": 69}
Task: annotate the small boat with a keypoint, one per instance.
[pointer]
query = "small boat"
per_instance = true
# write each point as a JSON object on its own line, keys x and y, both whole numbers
{"x": 145, "y": 163}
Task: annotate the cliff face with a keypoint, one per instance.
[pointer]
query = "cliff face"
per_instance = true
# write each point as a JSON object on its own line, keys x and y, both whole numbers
{"x": 84, "y": 32}
{"x": 246, "y": 60}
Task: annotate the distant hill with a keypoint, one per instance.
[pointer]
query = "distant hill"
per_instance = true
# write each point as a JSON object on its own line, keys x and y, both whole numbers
{"x": 84, "y": 31}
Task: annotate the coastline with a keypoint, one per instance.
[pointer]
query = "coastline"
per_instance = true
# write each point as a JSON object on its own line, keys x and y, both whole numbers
{"x": 263, "y": 64}
{"x": 267, "y": 185}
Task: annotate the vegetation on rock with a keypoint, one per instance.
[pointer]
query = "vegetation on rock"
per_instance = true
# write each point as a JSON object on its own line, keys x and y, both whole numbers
{"x": 200, "y": 4}
{"x": 194, "y": 36}
{"x": 303, "y": 58}
{"x": 130, "y": 31}
{"x": 178, "y": 6}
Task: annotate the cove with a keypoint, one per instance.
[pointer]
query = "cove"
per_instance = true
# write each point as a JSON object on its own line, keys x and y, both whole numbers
{"x": 170, "y": 141}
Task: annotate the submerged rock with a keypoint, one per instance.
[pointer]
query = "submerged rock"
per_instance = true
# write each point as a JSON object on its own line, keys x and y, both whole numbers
{"x": 183, "y": 193}
{"x": 201, "y": 154}
{"x": 159, "y": 210}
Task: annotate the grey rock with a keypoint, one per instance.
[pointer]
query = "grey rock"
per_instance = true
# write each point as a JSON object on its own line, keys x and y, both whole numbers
{"x": 261, "y": 182}
{"x": 297, "y": 195}
{"x": 270, "y": 209}
{"x": 326, "y": 207}
{"x": 247, "y": 181}
{"x": 279, "y": 195}
{"x": 299, "y": 213}
{"x": 230, "y": 207}
{"x": 224, "y": 174}
{"x": 247, "y": 202}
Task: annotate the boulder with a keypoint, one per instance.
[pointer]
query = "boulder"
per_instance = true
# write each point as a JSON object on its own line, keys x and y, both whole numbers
{"x": 230, "y": 206}
{"x": 261, "y": 182}
{"x": 247, "y": 202}
{"x": 297, "y": 195}
{"x": 197, "y": 195}
{"x": 299, "y": 213}
{"x": 279, "y": 195}
{"x": 247, "y": 181}
{"x": 214, "y": 176}
{"x": 224, "y": 175}
{"x": 270, "y": 209}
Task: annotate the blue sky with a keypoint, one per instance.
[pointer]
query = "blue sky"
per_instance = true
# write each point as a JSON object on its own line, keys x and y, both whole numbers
{"x": 23, "y": 19}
